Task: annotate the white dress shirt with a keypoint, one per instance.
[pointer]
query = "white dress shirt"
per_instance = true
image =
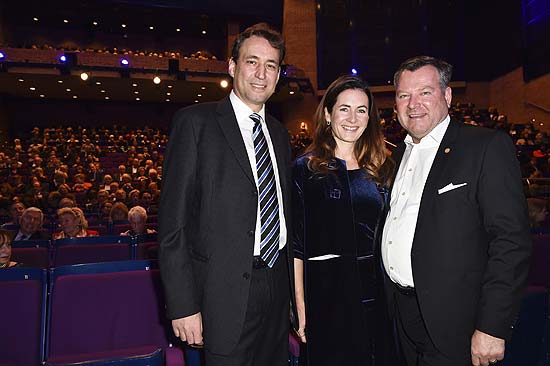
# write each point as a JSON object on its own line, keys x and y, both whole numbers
{"x": 398, "y": 234}
{"x": 246, "y": 125}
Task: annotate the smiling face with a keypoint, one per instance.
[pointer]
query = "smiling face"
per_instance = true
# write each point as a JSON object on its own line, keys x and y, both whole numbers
{"x": 70, "y": 225}
{"x": 420, "y": 102}
{"x": 256, "y": 72}
{"x": 349, "y": 117}
{"x": 5, "y": 252}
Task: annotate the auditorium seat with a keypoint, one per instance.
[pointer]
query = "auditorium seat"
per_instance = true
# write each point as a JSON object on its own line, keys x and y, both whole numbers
{"x": 104, "y": 312}
{"x": 31, "y": 253}
{"x": 91, "y": 249}
{"x": 23, "y": 309}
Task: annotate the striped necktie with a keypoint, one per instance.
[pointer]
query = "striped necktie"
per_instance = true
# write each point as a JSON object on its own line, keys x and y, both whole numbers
{"x": 269, "y": 204}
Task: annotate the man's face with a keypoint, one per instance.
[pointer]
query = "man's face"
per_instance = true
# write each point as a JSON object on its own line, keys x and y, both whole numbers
{"x": 420, "y": 103}
{"x": 31, "y": 222}
{"x": 256, "y": 72}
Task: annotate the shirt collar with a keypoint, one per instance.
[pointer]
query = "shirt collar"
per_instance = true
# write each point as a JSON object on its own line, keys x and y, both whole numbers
{"x": 434, "y": 137}
{"x": 242, "y": 111}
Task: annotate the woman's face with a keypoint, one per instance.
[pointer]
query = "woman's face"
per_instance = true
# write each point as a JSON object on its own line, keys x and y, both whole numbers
{"x": 5, "y": 253}
{"x": 70, "y": 225}
{"x": 137, "y": 223}
{"x": 349, "y": 117}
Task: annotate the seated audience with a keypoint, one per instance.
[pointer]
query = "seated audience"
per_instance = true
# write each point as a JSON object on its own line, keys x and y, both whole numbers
{"x": 31, "y": 224}
{"x": 16, "y": 210}
{"x": 119, "y": 213}
{"x": 137, "y": 216}
{"x": 6, "y": 237}
{"x": 73, "y": 224}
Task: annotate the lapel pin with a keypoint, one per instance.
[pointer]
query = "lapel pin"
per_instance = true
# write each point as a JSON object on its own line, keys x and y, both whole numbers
{"x": 447, "y": 150}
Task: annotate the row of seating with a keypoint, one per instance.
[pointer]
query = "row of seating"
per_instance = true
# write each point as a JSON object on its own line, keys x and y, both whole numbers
{"x": 60, "y": 252}
{"x": 95, "y": 314}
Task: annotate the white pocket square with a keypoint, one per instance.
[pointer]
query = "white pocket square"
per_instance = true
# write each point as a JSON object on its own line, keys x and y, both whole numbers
{"x": 450, "y": 187}
{"x": 324, "y": 257}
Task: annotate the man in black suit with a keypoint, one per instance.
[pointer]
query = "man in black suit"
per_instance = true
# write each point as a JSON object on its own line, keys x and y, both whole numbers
{"x": 221, "y": 285}
{"x": 456, "y": 242}
{"x": 30, "y": 228}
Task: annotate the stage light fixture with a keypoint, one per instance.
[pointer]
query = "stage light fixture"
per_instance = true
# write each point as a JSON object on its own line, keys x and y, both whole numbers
{"x": 156, "y": 80}
{"x": 224, "y": 83}
{"x": 84, "y": 76}
{"x": 354, "y": 71}
{"x": 2, "y": 56}
{"x": 63, "y": 58}
{"x": 124, "y": 62}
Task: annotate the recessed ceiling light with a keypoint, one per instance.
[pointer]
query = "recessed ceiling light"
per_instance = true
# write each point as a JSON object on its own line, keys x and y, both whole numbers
{"x": 203, "y": 87}
{"x": 136, "y": 92}
{"x": 168, "y": 93}
{"x": 156, "y": 80}
{"x": 94, "y": 23}
{"x": 134, "y": 84}
{"x": 203, "y": 32}
{"x": 178, "y": 30}
{"x": 102, "y": 90}
{"x": 167, "y": 100}
{"x": 107, "y": 98}
{"x": 65, "y": 21}
{"x": 75, "y": 96}
{"x": 98, "y": 83}
{"x": 35, "y": 19}
{"x": 196, "y": 101}
{"x": 199, "y": 95}
{"x": 32, "y": 88}
{"x": 151, "y": 27}
{"x": 137, "y": 99}
{"x": 224, "y": 83}
{"x": 60, "y": 81}
{"x": 169, "y": 86}
{"x": 42, "y": 95}
{"x": 84, "y": 76}
{"x": 68, "y": 89}
{"x": 21, "y": 80}
{"x": 291, "y": 92}
{"x": 123, "y": 25}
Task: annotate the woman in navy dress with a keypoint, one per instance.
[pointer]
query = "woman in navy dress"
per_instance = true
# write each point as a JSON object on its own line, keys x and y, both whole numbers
{"x": 340, "y": 188}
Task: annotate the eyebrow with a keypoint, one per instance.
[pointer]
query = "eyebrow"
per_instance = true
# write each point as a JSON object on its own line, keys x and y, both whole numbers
{"x": 347, "y": 105}
{"x": 257, "y": 58}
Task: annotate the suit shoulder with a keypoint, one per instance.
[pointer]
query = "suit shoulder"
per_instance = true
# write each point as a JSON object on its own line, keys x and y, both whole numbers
{"x": 483, "y": 133}
{"x": 193, "y": 111}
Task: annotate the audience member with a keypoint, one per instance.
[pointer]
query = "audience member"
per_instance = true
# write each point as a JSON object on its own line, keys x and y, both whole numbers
{"x": 73, "y": 224}
{"x": 137, "y": 216}
{"x": 31, "y": 225}
{"x": 6, "y": 238}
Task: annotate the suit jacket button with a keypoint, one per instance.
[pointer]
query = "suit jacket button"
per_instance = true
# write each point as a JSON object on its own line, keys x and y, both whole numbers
{"x": 250, "y": 233}
{"x": 246, "y": 275}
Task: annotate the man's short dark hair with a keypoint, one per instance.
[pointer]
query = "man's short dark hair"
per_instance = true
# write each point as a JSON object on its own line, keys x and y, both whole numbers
{"x": 262, "y": 30}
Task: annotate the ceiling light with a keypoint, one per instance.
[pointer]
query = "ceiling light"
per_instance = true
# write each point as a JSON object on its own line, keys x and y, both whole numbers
{"x": 84, "y": 76}
{"x": 94, "y": 23}
{"x": 291, "y": 92}
{"x": 169, "y": 86}
{"x": 178, "y": 30}
{"x": 62, "y": 58}
{"x": 203, "y": 87}
{"x": 199, "y": 95}
{"x": 167, "y": 100}
{"x": 98, "y": 83}
{"x": 134, "y": 84}
{"x": 42, "y": 95}
{"x": 168, "y": 93}
{"x": 156, "y": 80}
{"x": 21, "y": 80}
{"x": 138, "y": 99}
{"x": 203, "y": 32}
{"x": 2, "y": 55}
{"x": 65, "y": 21}
{"x": 124, "y": 62}
{"x": 224, "y": 83}
{"x": 68, "y": 89}
{"x": 123, "y": 25}
{"x": 60, "y": 81}
{"x": 107, "y": 98}
{"x": 103, "y": 91}
{"x": 32, "y": 88}
{"x": 136, "y": 92}
{"x": 151, "y": 27}
{"x": 196, "y": 101}
{"x": 35, "y": 19}
{"x": 75, "y": 96}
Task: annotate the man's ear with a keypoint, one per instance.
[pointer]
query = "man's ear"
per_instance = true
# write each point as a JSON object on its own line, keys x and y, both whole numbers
{"x": 231, "y": 67}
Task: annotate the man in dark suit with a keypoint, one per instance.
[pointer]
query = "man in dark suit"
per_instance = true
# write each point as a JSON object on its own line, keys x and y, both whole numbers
{"x": 30, "y": 228}
{"x": 219, "y": 215}
{"x": 456, "y": 243}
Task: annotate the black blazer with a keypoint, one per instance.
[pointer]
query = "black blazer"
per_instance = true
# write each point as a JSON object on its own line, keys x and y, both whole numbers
{"x": 207, "y": 217}
{"x": 471, "y": 247}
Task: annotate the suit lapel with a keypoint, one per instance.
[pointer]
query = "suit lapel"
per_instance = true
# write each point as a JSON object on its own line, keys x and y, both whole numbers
{"x": 444, "y": 152}
{"x": 230, "y": 128}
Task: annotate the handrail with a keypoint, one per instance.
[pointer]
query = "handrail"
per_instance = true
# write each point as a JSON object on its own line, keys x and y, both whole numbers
{"x": 538, "y": 106}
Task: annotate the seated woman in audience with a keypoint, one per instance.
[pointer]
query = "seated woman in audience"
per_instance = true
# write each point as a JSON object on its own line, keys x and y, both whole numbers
{"x": 119, "y": 213}
{"x": 73, "y": 224}
{"x": 6, "y": 237}
{"x": 537, "y": 213}
{"x": 137, "y": 218}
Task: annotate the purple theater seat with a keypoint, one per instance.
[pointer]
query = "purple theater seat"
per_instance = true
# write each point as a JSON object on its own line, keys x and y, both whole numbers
{"x": 23, "y": 309}
{"x": 120, "y": 228}
{"x": 91, "y": 250}
{"x": 106, "y": 311}
{"x": 539, "y": 272}
{"x": 32, "y": 253}
{"x": 147, "y": 250}
{"x": 102, "y": 229}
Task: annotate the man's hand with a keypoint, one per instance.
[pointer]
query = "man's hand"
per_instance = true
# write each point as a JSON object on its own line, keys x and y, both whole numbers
{"x": 486, "y": 349}
{"x": 189, "y": 329}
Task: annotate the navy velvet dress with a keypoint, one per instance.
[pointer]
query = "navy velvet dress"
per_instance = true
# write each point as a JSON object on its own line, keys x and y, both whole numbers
{"x": 335, "y": 219}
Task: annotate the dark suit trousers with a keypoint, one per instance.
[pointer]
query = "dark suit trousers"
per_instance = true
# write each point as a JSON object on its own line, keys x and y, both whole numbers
{"x": 417, "y": 348}
{"x": 264, "y": 338}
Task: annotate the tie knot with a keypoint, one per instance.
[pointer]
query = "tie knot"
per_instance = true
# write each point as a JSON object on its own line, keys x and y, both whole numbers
{"x": 255, "y": 117}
